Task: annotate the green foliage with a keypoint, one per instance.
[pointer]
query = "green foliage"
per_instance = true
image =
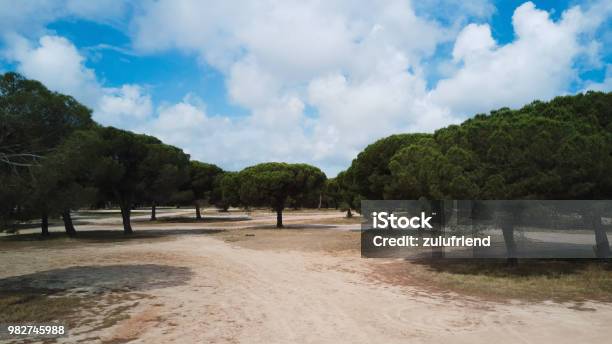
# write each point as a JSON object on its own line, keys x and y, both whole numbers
{"x": 124, "y": 167}
{"x": 201, "y": 184}
{"x": 370, "y": 170}
{"x": 273, "y": 184}
{"x": 332, "y": 193}
{"x": 202, "y": 179}
{"x": 34, "y": 120}
{"x": 347, "y": 191}
{"x": 270, "y": 184}
{"x": 63, "y": 179}
{"x": 33, "y": 166}
{"x": 556, "y": 150}
{"x": 226, "y": 190}
{"x": 164, "y": 170}
{"x": 121, "y": 167}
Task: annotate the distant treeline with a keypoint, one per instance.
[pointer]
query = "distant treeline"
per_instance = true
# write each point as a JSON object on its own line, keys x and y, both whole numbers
{"x": 54, "y": 158}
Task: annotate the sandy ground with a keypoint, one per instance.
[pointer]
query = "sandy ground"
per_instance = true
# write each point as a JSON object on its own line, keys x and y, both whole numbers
{"x": 236, "y": 287}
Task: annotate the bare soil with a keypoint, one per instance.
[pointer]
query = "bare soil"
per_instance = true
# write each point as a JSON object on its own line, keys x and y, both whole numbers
{"x": 238, "y": 280}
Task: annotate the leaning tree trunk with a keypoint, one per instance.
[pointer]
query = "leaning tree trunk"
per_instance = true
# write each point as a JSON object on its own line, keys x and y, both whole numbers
{"x": 68, "y": 225}
{"x": 198, "y": 214}
{"x": 279, "y": 218}
{"x": 602, "y": 245}
{"x": 153, "y": 212}
{"x": 125, "y": 217}
{"x": 44, "y": 224}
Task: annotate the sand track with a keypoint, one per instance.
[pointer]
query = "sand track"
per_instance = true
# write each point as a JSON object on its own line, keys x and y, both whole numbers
{"x": 237, "y": 294}
{"x": 245, "y": 295}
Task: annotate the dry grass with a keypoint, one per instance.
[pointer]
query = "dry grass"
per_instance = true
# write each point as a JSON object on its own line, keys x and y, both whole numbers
{"x": 83, "y": 314}
{"x": 298, "y": 238}
{"x": 38, "y": 306}
{"x": 532, "y": 280}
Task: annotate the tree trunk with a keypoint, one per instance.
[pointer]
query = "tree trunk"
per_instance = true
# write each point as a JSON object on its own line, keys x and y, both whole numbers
{"x": 349, "y": 214}
{"x": 44, "y": 224}
{"x": 153, "y": 209}
{"x": 508, "y": 232}
{"x": 279, "y": 218}
{"x": 602, "y": 245}
{"x": 198, "y": 214}
{"x": 125, "y": 217}
{"x": 68, "y": 225}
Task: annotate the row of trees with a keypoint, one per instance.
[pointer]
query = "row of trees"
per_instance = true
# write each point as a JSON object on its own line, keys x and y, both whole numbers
{"x": 560, "y": 149}
{"x": 54, "y": 158}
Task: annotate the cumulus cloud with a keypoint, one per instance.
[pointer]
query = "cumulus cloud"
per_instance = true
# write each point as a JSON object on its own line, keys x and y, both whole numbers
{"x": 58, "y": 64}
{"x": 538, "y": 64}
{"x": 349, "y": 62}
{"x": 228, "y": 142}
{"x": 473, "y": 42}
{"x": 126, "y": 106}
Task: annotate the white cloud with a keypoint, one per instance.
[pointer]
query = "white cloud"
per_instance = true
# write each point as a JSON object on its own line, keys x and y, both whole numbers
{"x": 231, "y": 143}
{"x": 348, "y": 61}
{"x": 538, "y": 64}
{"x": 249, "y": 85}
{"x": 57, "y": 63}
{"x": 126, "y": 106}
{"x": 473, "y": 42}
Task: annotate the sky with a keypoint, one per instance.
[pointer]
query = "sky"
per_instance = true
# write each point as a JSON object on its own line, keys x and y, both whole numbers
{"x": 237, "y": 83}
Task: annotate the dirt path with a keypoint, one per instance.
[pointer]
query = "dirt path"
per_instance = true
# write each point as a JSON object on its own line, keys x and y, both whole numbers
{"x": 240, "y": 295}
{"x": 203, "y": 289}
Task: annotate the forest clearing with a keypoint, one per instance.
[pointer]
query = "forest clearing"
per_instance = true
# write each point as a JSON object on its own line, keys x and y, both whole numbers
{"x": 233, "y": 277}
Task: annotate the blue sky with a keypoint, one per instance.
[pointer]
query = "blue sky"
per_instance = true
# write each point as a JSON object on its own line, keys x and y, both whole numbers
{"x": 251, "y": 81}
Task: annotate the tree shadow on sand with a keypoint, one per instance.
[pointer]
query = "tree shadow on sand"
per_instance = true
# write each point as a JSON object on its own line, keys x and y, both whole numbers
{"x": 295, "y": 226}
{"x": 99, "y": 279}
{"x": 204, "y": 219}
{"x": 115, "y": 235}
